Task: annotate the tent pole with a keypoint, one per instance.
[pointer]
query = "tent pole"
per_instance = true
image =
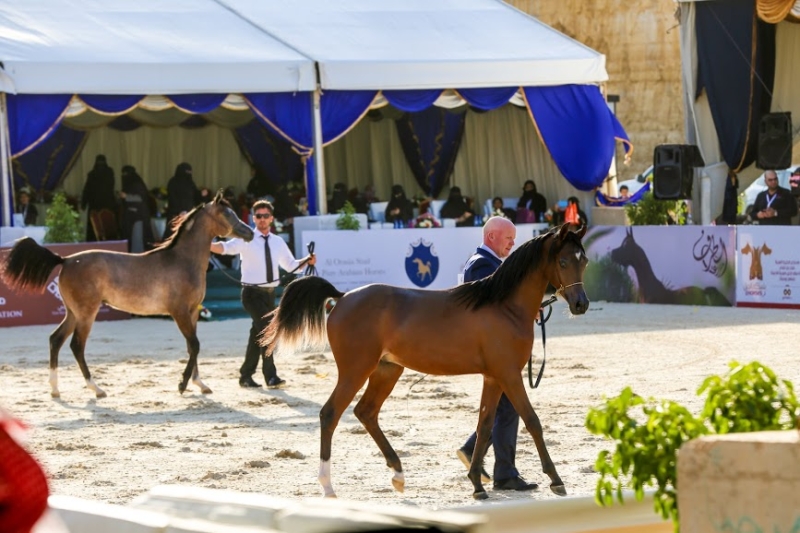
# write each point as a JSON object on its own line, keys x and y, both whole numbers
{"x": 5, "y": 174}
{"x": 319, "y": 161}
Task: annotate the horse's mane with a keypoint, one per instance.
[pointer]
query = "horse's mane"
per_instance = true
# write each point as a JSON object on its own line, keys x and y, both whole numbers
{"x": 180, "y": 224}
{"x": 512, "y": 272}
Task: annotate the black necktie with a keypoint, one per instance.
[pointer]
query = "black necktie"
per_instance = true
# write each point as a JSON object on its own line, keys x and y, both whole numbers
{"x": 268, "y": 259}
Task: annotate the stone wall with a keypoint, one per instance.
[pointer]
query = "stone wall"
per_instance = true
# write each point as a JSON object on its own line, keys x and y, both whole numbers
{"x": 641, "y": 42}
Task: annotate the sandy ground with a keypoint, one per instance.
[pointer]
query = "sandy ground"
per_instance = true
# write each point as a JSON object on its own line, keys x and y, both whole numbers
{"x": 145, "y": 433}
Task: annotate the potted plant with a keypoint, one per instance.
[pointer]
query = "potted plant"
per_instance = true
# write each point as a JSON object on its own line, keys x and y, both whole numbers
{"x": 347, "y": 218}
{"x": 62, "y": 222}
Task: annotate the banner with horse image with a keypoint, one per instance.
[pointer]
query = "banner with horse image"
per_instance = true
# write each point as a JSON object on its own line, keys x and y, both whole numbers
{"x": 689, "y": 265}
{"x": 768, "y": 267}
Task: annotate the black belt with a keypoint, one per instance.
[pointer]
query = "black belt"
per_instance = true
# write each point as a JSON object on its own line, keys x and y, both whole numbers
{"x": 258, "y": 287}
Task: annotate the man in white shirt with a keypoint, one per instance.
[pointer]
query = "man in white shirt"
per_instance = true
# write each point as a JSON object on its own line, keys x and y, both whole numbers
{"x": 258, "y": 288}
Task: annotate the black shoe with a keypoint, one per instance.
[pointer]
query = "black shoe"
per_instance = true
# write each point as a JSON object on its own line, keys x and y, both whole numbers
{"x": 466, "y": 458}
{"x": 275, "y": 383}
{"x": 514, "y": 483}
{"x": 248, "y": 383}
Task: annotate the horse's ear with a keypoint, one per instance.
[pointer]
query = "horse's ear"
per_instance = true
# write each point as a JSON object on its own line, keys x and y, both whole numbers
{"x": 219, "y": 196}
{"x": 582, "y": 231}
{"x": 562, "y": 231}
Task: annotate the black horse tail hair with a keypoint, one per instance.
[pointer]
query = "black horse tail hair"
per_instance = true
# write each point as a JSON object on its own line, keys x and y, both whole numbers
{"x": 299, "y": 321}
{"x": 28, "y": 266}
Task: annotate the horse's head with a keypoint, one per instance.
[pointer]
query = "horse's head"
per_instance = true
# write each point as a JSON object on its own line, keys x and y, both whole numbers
{"x": 627, "y": 251}
{"x": 569, "y": 263}
{"x": 226, "y": 223}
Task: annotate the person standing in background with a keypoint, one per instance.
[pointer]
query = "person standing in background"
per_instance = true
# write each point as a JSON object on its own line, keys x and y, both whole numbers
{"x": 136, "y": 225}
{"x": 182, "y": 195}
{"x": 98, "y": 192}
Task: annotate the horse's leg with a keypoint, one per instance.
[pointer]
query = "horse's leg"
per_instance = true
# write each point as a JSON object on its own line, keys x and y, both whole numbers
{"x": 78, "y": 344}
{"x": 515, "y": 391}
{"x": 57, "y": 339}
{"x": 380, "y": 386}
{"x": 490, "y": 397}
{"x": 350, "y": 381}
{"x": 187, "y": 324}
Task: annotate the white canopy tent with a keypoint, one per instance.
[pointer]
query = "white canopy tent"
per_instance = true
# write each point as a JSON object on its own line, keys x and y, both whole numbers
{"x": 424, "y": 44}
{"x": 236, "y": 46}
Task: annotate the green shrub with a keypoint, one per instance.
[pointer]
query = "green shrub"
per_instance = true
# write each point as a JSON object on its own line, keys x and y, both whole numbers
{"x": 649, "y": 211}
{"x": 606, "y": 280}
{"x": 347, "y": 218}
{"x": 749, "y": 398}
{"x": 62, "y": 222}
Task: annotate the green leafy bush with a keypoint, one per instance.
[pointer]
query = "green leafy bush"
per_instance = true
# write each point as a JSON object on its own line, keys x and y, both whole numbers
{"x": 649, "y": 211}
{"x": 749, "y": 398}
{"x": 62, "y": 222}
{"x": 347, "y": 218}
{"x": 606, "y": 280}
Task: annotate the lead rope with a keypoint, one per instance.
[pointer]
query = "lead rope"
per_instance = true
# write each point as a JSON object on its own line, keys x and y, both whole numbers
{"x": 541, "y": 321}
{"x": 310, "y": 270}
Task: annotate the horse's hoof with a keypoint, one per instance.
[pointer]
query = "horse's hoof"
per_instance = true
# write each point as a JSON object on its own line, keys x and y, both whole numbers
{"x": 332, "y": 495}
{"x": 101, "y": 394}
{"x": 181, "y": 387}
{"x": 399, "y": 485}
{"x": 206, "y": 390}
{"x": 55, "y": 394}
{"x": 559, "y": 490}
{"x": 480, "y": 495}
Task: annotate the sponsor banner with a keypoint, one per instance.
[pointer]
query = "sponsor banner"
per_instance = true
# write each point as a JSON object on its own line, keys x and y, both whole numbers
{"x": 413, "y": 258}
{"x": 691, "y": 265}
{"x": 25, "y": 309}
{"x": 768, "y": 266}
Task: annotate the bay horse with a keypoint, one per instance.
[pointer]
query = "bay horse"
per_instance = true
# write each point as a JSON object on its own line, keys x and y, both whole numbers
{"x": 482, "y": 327}
{"x": 168, "y": 280}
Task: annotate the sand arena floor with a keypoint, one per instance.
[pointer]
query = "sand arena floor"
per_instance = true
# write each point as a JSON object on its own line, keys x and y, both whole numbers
{"x": 145, "y": 433}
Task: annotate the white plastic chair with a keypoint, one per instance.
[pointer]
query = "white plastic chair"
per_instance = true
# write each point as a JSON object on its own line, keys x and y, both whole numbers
{"x": 377, "y": 211}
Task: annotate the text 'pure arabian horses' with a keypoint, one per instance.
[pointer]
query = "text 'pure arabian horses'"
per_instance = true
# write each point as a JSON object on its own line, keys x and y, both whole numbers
{"x": 169, "y": 280}
{"x": 483, "y": 327}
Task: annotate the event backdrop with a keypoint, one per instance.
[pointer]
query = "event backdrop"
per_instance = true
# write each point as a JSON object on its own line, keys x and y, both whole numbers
{"x": 691, "y": 265}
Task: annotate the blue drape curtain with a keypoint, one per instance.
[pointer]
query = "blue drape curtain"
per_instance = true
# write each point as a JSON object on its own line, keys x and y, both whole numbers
{"x": 736, "y": 67}
{"x": 43, "y": 169}
{"x": 271, "y": 152}
{"x": 574, "y": 122}
{"x": 578, "y": 129}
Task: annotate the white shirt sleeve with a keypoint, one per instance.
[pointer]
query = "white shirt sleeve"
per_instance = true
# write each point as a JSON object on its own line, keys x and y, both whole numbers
{"x": 233, "y": 246}
{"x": 285, "y": 258}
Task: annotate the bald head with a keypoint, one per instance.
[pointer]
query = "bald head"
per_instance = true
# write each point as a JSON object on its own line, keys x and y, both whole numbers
{"x": 498, "y": 235}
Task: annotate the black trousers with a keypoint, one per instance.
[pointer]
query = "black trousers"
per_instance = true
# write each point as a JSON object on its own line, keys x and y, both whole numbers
{"x": 258, "y": 301}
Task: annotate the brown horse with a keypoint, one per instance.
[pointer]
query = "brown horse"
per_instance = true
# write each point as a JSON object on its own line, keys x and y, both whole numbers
{"x": 483, "y": 327}
{"x": 169, "y": 280}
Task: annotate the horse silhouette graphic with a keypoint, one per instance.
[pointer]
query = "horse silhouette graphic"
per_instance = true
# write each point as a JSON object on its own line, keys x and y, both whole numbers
{"x": 422, "y": 264}
{"x": 756, "y": 271}
{"x": 423, "y": 269}
{"x": 651, "y": 289}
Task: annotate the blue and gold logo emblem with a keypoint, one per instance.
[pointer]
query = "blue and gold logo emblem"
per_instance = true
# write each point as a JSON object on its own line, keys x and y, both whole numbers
{"x": 422, "y": 264}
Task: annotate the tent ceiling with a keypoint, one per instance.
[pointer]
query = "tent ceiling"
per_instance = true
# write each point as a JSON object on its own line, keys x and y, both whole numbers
{"x": 143, "y": 47}
{"x": 424, "y": 44}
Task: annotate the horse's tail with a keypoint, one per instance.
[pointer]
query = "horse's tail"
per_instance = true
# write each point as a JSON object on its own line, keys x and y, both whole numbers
{"x": 299, "y": 320}
{"x": 28, "y": 266}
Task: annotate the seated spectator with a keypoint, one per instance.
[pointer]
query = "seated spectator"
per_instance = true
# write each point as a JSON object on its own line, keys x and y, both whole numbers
{"x": 531, "y": 205}
{"x": 399, "y": 207}
{"x": 136, "y": 226}
{"x": 369, "y": 195}
{"x": 624, "y": 192}
{"x": 500, "y": 210}
{"x": 26, "y": 208}
{"x": 561, "y": 211}
{"x": 205, "y": 195}
{"x": 359, "y": 204}
{"x": 338, "y": 198}
{"x": 456, "y": 208}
